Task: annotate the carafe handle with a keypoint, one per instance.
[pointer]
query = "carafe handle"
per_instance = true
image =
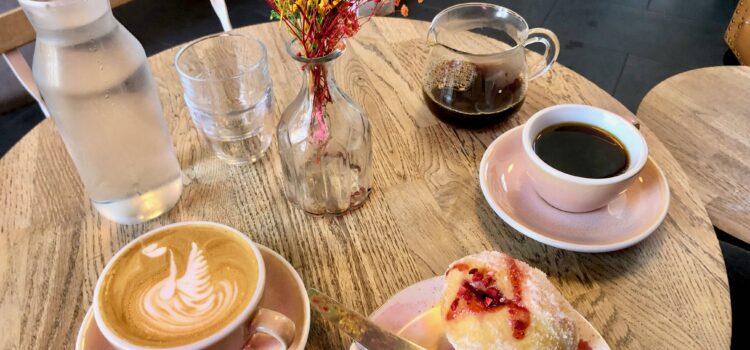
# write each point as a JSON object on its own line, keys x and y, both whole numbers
{"x": 551, "y": 49}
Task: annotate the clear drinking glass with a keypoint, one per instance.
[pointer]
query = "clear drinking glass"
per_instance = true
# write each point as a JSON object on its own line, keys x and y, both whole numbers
{"x": 229, "y": 92}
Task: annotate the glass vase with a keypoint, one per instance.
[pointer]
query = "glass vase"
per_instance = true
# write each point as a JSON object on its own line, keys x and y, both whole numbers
{"x": 324, "y": 142}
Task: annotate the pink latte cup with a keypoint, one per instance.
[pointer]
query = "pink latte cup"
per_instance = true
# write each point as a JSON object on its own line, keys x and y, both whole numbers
{"x": 573, "y": 193}
{"x": 181, "y": 302}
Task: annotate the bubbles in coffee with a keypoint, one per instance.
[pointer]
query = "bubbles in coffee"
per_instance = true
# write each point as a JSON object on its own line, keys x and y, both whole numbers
{"x": 468, "y": 94}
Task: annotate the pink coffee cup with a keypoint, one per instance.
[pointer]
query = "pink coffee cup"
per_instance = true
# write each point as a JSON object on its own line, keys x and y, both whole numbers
{"x": 277, "y": 329}
{"x": 573, "y": 193}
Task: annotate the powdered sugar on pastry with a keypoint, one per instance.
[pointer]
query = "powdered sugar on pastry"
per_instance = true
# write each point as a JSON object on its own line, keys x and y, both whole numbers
{"x": 492, "y": 301}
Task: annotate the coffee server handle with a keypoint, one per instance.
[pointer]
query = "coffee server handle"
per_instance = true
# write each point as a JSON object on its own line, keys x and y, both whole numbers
{"x": 551, "y": 49}
{"x": 270, "y": 330}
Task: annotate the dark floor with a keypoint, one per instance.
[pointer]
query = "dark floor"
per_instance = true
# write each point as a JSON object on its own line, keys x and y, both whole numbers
{"x": 624, "y": 46}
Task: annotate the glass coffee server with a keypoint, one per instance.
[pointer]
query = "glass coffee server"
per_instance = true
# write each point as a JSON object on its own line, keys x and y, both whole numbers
{"x": 476, "y": 73}
{"x": 95, "y": 80}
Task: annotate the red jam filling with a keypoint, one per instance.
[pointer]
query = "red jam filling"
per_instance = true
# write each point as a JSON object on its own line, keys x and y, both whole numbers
{"x": 583, "y": 345}
{"x": 478, "y": 293}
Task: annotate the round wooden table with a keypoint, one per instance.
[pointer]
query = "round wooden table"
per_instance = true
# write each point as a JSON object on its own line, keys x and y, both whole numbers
{"x": 426, "y": 210}
{"x": 704, "y": 120}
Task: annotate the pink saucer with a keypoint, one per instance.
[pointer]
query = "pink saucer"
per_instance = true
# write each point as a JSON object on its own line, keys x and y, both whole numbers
{"x": 625, "y": 221}
{"x": 412, "y": 314}
{"x": 284, "y": 293}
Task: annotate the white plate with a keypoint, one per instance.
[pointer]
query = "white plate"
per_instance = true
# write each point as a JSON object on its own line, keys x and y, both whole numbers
{"x": 412, "y": 314}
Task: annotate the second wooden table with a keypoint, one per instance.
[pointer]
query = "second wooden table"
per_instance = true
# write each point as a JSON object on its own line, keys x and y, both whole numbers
{"x": 703, "y": 117}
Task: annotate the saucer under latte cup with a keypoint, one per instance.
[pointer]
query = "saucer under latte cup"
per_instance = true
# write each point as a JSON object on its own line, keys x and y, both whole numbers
{"x": 573, "y": 193}
{"x": 187, "y": 286}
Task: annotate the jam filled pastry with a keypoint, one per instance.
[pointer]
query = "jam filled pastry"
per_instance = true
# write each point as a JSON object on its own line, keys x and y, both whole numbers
{"x": 492, "y": 301}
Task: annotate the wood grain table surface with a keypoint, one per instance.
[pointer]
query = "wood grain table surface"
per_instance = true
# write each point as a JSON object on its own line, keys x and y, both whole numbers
{"x": 703, "y": 117}
{"x": 426, "y": 210}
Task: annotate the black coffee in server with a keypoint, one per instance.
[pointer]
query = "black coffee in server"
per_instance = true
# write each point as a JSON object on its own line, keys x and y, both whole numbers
{"x": 472, "y": 95}
{"x": 582, "y": 150}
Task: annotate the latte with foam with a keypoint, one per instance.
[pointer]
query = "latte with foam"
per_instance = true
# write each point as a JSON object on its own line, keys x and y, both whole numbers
{"x": 178, "y": 286}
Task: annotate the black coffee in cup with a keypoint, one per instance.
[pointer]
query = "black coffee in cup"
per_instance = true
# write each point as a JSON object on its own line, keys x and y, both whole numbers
{"x": 473, "y": 95}
{"x": 582, "y": 150}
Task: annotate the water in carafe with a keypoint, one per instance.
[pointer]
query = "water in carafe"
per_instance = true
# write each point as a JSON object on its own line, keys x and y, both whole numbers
{"x": 94, "y": 78}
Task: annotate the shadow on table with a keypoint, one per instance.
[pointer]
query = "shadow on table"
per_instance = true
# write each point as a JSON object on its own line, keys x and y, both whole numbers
{"x": 585, "y": 268}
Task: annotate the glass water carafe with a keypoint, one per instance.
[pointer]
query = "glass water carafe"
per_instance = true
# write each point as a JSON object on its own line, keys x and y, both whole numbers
{"x": 95, "y": 80}
{"x": 324, "y": 143}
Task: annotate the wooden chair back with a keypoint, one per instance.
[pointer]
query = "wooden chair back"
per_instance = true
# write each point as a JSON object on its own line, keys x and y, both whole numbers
{"x": 737, "y": 35}
{"x": 16, "y": 31}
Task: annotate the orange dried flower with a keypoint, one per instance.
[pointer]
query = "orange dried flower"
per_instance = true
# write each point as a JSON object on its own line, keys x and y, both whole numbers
{"x": 319, "y": 26}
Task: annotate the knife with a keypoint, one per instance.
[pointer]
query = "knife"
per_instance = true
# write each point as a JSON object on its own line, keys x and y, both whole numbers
{"x": 362, "y": 330}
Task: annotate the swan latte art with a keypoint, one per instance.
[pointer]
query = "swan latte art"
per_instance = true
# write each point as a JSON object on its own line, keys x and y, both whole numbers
{"x": 178, "y": 286}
